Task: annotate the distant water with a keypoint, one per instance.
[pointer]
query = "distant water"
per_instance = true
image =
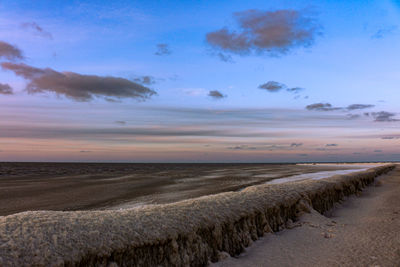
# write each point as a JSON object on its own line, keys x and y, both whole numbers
{"x": 82, "y": 186}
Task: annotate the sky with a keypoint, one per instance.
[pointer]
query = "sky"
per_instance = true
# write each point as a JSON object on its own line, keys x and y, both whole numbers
{"x": 199, "y": 81}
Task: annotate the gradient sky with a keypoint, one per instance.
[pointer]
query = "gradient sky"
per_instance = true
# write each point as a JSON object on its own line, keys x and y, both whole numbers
{"x": 199, "y": 81}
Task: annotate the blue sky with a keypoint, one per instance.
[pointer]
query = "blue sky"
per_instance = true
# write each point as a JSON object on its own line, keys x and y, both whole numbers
{"x": 348, "y": 56}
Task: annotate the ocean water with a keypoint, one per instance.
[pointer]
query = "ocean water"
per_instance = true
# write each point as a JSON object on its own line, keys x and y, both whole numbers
{"x": 86, "y": 186}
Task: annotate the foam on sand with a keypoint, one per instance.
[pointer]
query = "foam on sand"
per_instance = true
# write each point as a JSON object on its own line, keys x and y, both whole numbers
{"x": 191, "y": 232}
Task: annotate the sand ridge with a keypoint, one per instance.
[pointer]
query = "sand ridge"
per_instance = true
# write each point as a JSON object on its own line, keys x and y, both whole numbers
{"x": 363, "y": 230}
{"x": 191, "y": 232}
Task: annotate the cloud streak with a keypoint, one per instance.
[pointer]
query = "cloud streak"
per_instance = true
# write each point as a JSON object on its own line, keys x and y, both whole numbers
{"x": 322, "y": 107}
{"x": 273, "y": 32}
{"x": 162, "y": 50}
{"x": 77, "y": 86}
{"x": 384, "y": 116}
{"x": 37, "y": 29}
{"x": 10, "y": 52}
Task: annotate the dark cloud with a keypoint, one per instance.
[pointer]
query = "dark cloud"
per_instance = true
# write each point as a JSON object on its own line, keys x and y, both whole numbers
{"x": 120, "y": 122}
{"x": 378, "y": 151}
{"x": 5, "y": 89}
{"x": 330, "y": 145}
{"x": 322, "y": 107}
{"x": 10, "y": 52}
{"x": 359, "y": 106}
{"x": 296, "y": 144}
{"x": 273, "y": 32}
{"x": 148, "y": 80}
{"x": 382, "y": 116}
{"x": 242, "y": 147}
{"x": 216, "y": 94}
{"x": 162, "y": 50}
{"x": 85, "y": 151}
{"x": 302, "y": 155}
{"x": 78, "y": 86}
{"x": 390, "y": 137}
{"x": 379, "y": 34}
{"x": 272, "y": 86}
{"x": 37, "y": 29}
{"x": 295, "y": 90}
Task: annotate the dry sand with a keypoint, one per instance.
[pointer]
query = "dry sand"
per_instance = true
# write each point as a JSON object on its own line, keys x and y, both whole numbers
{"x": 361, "y": 231}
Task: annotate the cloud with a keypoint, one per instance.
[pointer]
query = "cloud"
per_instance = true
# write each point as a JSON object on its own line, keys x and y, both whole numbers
{"x": 295, "y": 90}
{"x": 10, "y": 52}
{"x": 379, "y": 34}
{"x": 378, "y": 151}
{"x": 272, "y": 86}
{"x": 302, "y": 155}
{"x": 296, "y": 144}
{"x": 162, "y": 50}
{"x": 359, "y": 106}
{"x": 85, "y": 151}
{"x": 148, "y": 80}
{"x": 322, "y": 107}
{"x": 120, "y": 122}
{"x": 330, "y": 145}
{"x": 353, "y": 116}
{"x": 383, "y": 116}
{"x": 5, "y": 89}
{"x": 390, "y": 137}
{"x": 216, "y": 94}
{"x": 273, "y": 32}
{"x": 77, "y": 86}
{"x": 37, "y": 29}
{"x": 242, "y": 147}
{"x": 225, "y": 58}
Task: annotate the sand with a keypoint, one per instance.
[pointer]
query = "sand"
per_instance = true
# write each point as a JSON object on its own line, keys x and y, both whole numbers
{"x": 363, "y": 230}
{"x": 192, "y": 232}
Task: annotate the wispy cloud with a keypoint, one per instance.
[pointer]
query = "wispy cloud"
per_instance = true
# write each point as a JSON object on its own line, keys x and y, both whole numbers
{"x": 381, "y": 33}
{"x": 359, "y": 106}
{"x": 384, "y": 116}
{"x": 148, "y": 80}
{"x": 272, "y": 32}
{"x": 162, "y": 50}
{"x": 36, "y": 29}
{"x": 77, "y": 86}
{"x": 331, "y": 145}
{"x": 296, "y": 144}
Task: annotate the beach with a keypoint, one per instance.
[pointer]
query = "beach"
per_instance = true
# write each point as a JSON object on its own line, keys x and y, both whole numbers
{"x": 363, "y": 230}
{"x": 205, "y": 230}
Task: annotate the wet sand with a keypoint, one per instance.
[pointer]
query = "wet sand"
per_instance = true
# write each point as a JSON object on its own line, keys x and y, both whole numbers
{"x": 363, "y": 230}
{"x": 82, "y": 186}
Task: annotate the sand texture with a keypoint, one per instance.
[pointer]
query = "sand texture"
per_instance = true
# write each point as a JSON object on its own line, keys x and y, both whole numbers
{"x": 363, "y": 230}
{"x": 192, "y": 232}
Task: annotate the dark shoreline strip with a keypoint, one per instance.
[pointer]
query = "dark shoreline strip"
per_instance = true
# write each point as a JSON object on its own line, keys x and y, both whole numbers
{"x": 187, "y": 233}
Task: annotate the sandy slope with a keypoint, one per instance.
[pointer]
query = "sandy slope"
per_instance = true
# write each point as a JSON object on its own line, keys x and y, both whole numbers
{"x": 362, "y": 231}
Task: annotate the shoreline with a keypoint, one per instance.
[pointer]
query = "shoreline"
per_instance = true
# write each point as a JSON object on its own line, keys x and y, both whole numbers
{"x": 361, "y": 230}
{"x": 190, "y": 232}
